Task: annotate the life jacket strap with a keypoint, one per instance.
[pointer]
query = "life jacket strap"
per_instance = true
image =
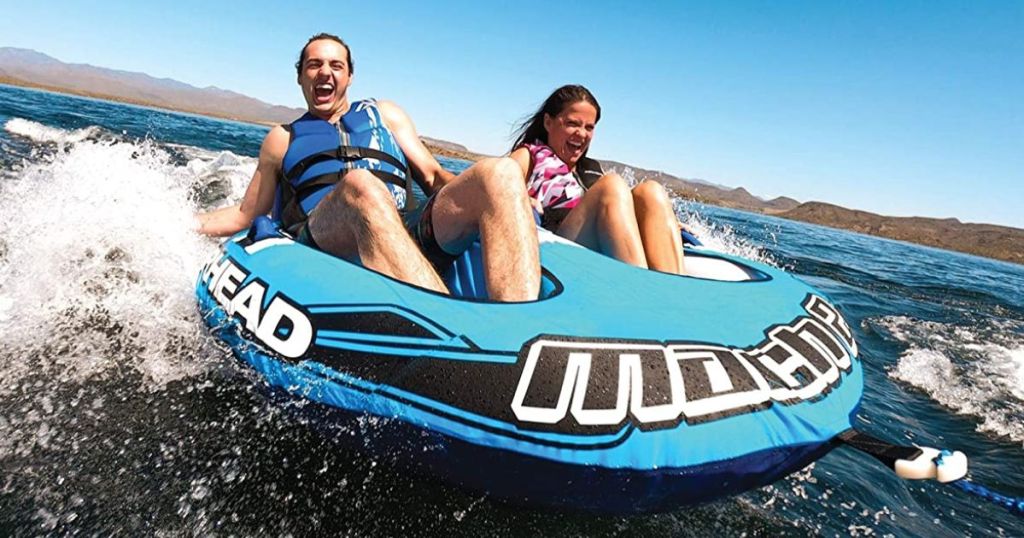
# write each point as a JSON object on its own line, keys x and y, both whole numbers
{"x": 292, "y": 215}
{"x": 292, "y": 197}
{"x": 349, "y": 154}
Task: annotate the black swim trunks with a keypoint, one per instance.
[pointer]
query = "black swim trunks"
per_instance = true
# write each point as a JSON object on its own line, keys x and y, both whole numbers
{"x": 305, "y": 237}
{"x": 420, "y": 224}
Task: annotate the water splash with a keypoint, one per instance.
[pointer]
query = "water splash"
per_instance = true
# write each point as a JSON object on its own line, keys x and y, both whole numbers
{"x": 102, "y": 341}
{"x": 714, "y": 235}
{"x": 98, "y": 257}
{"x": 220, "y": 178}
{"x": 974, "y": 370}
{"x": 719, "y": 236}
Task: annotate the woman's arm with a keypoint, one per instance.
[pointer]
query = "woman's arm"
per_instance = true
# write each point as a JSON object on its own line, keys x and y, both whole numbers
{"x": 422, "y": 164}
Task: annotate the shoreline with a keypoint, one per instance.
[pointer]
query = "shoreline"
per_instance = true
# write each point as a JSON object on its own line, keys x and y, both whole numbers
{"x": 967, "y": 238}
{"x": 19, "y": 83}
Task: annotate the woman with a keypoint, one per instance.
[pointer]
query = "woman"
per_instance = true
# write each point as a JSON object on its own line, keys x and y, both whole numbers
{"x": 581, "y": 203}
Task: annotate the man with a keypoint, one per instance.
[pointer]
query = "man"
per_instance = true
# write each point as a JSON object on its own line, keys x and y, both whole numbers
{"x": 333, "y": 177}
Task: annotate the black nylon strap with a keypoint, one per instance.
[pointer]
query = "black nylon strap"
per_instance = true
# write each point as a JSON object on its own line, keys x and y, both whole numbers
{"x": 884, "y": 452}
{"x": 292, "y": 214}
{"x": 316, "y": 183}
{"x": 388, "y": 177}
{"x": 345, "y": 154}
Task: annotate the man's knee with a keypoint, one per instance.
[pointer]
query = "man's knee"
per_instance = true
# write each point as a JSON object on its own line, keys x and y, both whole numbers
{"x": 362, "y": 191}
{"x": 501, "y": 178}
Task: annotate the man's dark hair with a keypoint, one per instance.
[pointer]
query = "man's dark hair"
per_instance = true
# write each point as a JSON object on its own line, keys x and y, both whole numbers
{"x": 318, "y": 37}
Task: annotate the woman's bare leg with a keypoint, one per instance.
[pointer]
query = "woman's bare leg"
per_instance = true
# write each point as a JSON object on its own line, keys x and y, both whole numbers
{"x": 659, "y": 228}
{"x": 604, "y": 220}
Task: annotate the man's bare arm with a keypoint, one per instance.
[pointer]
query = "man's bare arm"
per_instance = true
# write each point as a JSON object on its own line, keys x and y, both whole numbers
{"x": 259, "y": 195}
{"x": 424, "y": 167}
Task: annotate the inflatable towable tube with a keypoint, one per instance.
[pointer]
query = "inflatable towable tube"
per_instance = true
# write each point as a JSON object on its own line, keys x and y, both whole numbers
{"x": 619, "y": 390}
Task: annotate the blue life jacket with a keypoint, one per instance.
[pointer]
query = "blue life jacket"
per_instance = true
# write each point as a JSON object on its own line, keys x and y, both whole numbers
{"x": 320, "y": 153}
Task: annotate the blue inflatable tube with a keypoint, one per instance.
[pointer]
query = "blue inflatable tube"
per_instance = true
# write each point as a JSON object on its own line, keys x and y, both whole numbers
{"x": 619, "y": 390}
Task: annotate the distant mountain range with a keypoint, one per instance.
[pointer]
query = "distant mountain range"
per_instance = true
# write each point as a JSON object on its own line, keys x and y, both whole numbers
{"x": 37, "y": 69}
{"x": 707, "y": 192}
{"x": 26, "y": 67}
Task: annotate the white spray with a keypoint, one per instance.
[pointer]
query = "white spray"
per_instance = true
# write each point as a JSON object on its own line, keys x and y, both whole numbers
{"x": 98, "y": 256}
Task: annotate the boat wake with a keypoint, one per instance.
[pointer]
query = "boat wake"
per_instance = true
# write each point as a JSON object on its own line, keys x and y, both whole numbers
{"x": 38, "y": 132}
{"x": 976, "y": 371}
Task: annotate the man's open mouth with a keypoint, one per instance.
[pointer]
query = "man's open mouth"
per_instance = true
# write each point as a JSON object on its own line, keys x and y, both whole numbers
{"x": 323, "y": 92}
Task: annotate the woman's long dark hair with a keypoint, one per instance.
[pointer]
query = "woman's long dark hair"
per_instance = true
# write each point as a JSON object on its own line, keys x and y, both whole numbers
{"x": 533, "y": 127}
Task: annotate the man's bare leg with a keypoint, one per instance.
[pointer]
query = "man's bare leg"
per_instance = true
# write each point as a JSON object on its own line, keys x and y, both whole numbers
{"x": 659, "y": 228}
{"x": 605, "y": 221}
{"x": 358, "y": 221}
{"x": 489, "y": 202}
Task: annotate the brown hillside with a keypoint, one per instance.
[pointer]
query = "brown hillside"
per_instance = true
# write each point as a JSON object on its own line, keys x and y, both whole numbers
{"x": 991, "y": 241}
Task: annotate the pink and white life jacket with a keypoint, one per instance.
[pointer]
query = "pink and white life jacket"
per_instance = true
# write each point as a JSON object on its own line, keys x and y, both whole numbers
{"x": 550, "y": 181}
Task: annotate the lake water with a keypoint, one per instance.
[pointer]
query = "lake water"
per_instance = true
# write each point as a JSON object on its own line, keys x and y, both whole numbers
{"x": 120, "y": 414}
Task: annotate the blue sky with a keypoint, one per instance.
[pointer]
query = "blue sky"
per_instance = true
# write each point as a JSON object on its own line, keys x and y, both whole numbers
{"x": 900, "y": 108}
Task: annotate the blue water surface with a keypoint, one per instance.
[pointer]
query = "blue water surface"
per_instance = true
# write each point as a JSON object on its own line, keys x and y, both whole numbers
{"x": 211, "y": 454}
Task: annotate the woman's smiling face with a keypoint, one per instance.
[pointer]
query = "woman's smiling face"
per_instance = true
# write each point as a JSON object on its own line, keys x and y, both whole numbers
{"x": 570, "y": 132}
